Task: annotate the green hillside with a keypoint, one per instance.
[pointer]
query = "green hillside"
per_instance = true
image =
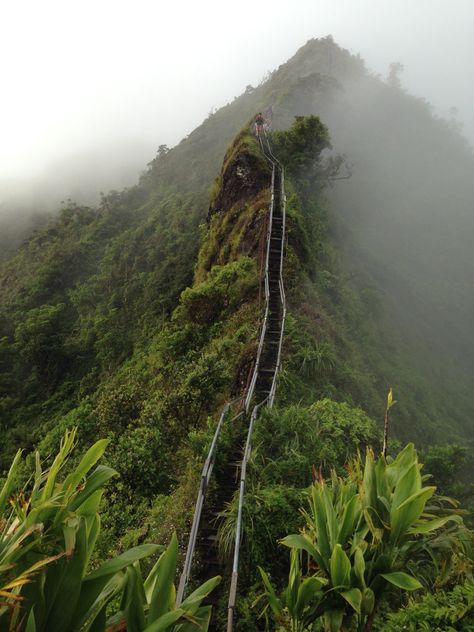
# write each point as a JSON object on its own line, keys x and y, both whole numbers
{"x": 137, "y": 320}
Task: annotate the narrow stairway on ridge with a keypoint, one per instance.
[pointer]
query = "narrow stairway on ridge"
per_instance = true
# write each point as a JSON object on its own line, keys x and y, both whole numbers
{"x": 269, "y": 359}
{"x": 227, "y": 468}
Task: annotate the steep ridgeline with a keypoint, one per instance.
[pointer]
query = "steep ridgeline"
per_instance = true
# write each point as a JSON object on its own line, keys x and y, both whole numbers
{"x": 84, "y": 298}
{"x": 260, "y": 391}
{"x": 139, "y": 319}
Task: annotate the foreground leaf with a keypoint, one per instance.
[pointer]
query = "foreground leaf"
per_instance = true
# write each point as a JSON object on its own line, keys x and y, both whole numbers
{"x": 402, "y": 580}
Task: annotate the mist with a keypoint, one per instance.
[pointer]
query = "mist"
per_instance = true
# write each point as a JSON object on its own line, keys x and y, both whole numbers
{"x": 93, "y": 89}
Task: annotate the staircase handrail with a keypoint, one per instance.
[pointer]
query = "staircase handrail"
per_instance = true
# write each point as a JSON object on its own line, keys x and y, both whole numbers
{"x": 263, "y": 331}
{"x": 269, "y": 399}
{"x": 209, "y": 463}
{"x": 204, "y": 482}
{"x": 238, "y": 528}
{"x": 282, "y": 290}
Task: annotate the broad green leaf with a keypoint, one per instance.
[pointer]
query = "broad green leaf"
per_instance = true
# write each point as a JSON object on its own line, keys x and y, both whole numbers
{"x": 99, "y": 623}
{"x": 164, "y": 622}
{"x": 95, "y": 595}
{"x": 350, "y": 517}
{"x": 294, "y": 580}
{"x": 31, "y": 623}
{"x": 333, "y": 620}
{"x": 353, "y": 598}
{"x": 402, "y": 580}
{"x": 404, "y": 516}
{"x": 90, "y": 507}
{"x": 92, "y": 532}
{"x": 134, "y": 605}
{"x": 101, "y": 475}
{"x": 382, "y": 484}
{"x": 307, "y": 593}
{"x": 200, "y": 593}
{"x": 150, "y": 581}
{"x": 43, "y": 512}
{"x": 122, "y": 561}
{"x": 200, "y": 622}
{"x": 66, "y": 580}
{"x": 38, "y": 478}
{"x": 274, "y": 602}
{"x": 368, "y": 601}
{"x": 359, "y": 539}
{"x": 340, "y": 567}
{"x": 321, "y": 523}
{"x": 408, "y": 485}
{"x": 403, "y": 461}
{"x": 67, "y": 445}
{"x": 330, "y": 514}
{"x": 162, "y": 599}
{"x": 359, "y": 567}
{"x": 88, "y": 461}
{"x": 432, "y": 525}
{"x": 302, "y": 542}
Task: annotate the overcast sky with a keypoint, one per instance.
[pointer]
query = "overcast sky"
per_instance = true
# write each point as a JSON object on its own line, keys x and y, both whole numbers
{"x": 76, "y": 75}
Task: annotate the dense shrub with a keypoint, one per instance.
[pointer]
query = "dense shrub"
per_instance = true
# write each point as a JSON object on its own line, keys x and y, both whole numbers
{"x": 325, "y": 435}
{"x": 443, "y": 611}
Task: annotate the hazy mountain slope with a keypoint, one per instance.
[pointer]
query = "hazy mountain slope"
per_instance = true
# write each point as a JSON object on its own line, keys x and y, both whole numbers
{"x": 406, "y": 213}
{"x": 109, "y": 277}
{"x": 136, "y": 320}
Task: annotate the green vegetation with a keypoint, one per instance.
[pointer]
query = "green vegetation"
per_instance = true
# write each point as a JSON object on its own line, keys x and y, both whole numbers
{"x": 135, "y": 321}
{"x": 300, "y": 147}
{"x": 445, "y": 611}
{"x": 377, "y": 530}
{"x": 49, "y": 578}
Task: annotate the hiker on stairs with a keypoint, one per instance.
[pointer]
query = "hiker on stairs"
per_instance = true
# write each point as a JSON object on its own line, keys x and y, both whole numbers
{"x": 259, "y": 123}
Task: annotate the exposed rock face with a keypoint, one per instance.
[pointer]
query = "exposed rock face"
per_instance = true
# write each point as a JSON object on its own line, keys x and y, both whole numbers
{"x": 239, "y": 206}
{"x": 242, "y": 179}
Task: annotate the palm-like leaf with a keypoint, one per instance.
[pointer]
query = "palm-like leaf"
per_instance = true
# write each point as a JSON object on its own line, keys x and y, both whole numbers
{"x": 364, "y": 535}
{"x": 41, "y": 591}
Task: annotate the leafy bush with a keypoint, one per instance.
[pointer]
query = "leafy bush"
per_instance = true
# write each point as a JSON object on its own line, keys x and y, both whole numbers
{"x": 324, "y": 435}
{"x": 300, "y": 146}
{"x": 443, "y": 611}
{"x": 366, "y": 534}
{"x": 140, "y": 456}
{"x": 47, "y": 540}
{"x": 226, "y": 288}
{"x": 268, "y": 514}
{"x": 446, "y": 464}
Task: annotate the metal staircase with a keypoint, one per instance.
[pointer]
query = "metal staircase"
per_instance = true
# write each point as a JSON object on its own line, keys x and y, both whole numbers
{"x": 260, "y": 393}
